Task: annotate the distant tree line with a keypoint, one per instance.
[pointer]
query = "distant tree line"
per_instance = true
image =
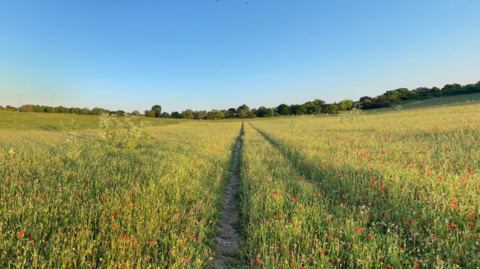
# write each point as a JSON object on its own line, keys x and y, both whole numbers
{"x": 314, "y": 107}
{"x": 403, "y": 94}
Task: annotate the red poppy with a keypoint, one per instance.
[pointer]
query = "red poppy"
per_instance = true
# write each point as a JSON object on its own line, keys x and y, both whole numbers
{"x": 470, "y": 223}
{"x": 416, "y": 264}
{"x": 21, "y": 233}
{"x": 257, "y": 262}
{"x": 451, "y": 225}
{"x": 358, "y": 229}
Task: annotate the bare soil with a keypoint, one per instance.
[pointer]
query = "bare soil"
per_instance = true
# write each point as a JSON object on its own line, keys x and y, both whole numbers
{"x": 228, "y": 244}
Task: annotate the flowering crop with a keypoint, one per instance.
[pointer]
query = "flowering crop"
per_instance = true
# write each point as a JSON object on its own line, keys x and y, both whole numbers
{"x": 152, "y": 205}
{"x": 395, "y": 190}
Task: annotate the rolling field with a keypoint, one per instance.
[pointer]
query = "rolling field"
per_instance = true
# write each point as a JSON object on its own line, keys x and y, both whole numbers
{"x": 395, "y": 190}
{"x": 60, "y": 122}
{"x": 383, "y": 190}
{"x": 151, "y": 206}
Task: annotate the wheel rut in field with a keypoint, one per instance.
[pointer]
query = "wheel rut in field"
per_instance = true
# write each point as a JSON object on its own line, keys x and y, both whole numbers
{"x": 228, "y": 240}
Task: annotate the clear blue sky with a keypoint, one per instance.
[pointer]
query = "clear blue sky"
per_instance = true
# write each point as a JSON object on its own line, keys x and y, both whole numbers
{"x": 204, "y": 54}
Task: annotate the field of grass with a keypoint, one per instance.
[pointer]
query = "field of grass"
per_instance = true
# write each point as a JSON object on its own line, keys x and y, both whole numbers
{"x": 152, "y": 206}
{"x": 58, "y": 122}
{"x": 389, "y": 190}
{"x": 383, "y": 190}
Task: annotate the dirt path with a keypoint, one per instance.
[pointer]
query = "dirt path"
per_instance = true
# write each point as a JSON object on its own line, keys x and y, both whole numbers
{"x": 228, "y": 243}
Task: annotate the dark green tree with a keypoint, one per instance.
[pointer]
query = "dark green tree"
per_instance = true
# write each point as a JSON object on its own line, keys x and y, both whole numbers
{"x": 318, "y": 102}
{"x": 283, "y": 110}
{"x": 158, "y": 110}
{"x": 268, "y": 113}
{"x": 176, "y": 115}
{"x": 230, "y": 115}
{"x": 261, "y": 111}
{"x": 165, "y": 115}
{"x": 298, "y": 109}
{"x": 244, "y": 107}
{"x": 329, "y": 108}
{"x": 314, "y": 110}
{"x": 241, "y": 113}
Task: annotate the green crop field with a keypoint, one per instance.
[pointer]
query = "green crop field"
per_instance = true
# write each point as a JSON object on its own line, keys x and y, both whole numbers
{"x": 59, "y": 122}
{"x": 382, "y": 190}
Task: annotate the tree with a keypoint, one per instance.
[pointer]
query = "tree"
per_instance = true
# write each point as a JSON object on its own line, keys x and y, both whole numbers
{"x": 367, "y": 104}
{"x": 318, "y": 102}
{"x": 150, "y": 113}
{"x": 219, "y": 115}
{"x": 230, "y": 115}
{"x": 244, "y": 107}
{"x": 187, "y": 114}
{"x": 233, "y": 110}
{"x": 345, "y": 104}
{"x": 298, "y": 109}
{"x": 268, "y": 113}
{"x": 251, "y": 115}
{"x": 241, "y": 113}
{"x": 364, "y": 98}
{"x": 200, "y": 114}
{"x": 176, "y": 115}
{"x": 96, "y": 111}
{"x": 165, "y": 115}
{"x": 26, "y": 108}
{"x": 452, "y": 89}
{"x": 136, "y": 113}
{"x": 85, "y": 111}
{"x": 120, "y": 113}
{"x": 261, "y": 111}
{"x": 283, "y": 110}
{"x": 329, "y": 108}
{"x": 158, "y": 110}
{"x": 314, "y": 110}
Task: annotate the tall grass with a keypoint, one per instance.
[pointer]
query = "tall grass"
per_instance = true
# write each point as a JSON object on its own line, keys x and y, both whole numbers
{"x": 393, "y": 190}
{"x": 154, "y": 205}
